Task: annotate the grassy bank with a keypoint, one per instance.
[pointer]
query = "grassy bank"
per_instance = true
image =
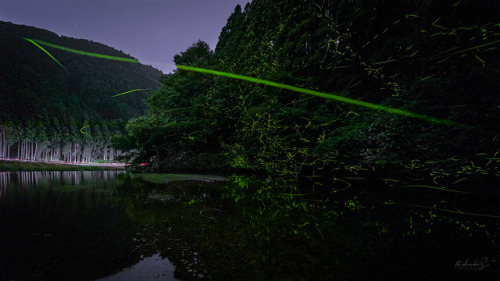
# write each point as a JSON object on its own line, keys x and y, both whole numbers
{"x": 14, "y": 166}
{"x": 166, "y": 178}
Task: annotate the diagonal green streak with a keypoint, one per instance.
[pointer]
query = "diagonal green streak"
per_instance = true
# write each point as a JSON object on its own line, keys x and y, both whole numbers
{"x": 124, "y": 93}
{"x": 320, "y": 94}
{"x": 41, "y": 48}
{"x": 80, "y": 52}
{"x": 475, "y": 47}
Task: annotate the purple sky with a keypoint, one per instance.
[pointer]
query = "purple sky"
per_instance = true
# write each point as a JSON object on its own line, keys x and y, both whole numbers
{"x": 152, "y": 31}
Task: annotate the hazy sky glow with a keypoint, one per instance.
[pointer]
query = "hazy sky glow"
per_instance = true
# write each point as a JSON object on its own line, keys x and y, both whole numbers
{"x": 152, "y": 31}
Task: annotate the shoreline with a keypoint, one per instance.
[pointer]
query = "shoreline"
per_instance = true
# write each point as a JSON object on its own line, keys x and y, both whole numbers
{"x": 14, "y": 165}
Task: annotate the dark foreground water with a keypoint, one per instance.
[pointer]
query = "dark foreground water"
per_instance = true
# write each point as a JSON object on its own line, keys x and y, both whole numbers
{"x": 110, "y": 226}
{"x": 93, "y": 226}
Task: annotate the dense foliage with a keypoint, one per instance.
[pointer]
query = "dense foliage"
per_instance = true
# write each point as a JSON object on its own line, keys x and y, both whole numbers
{"x": 311, "y": 166}
{"x": 432, "y": 58}
{"x": 51, "y": 112}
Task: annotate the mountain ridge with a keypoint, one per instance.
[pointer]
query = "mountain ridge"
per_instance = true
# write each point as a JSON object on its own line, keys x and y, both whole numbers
{"x": 42, "y": 102}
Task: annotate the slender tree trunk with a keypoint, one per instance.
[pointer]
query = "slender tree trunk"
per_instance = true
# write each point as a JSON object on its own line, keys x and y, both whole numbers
{"x": 2, "y": 144}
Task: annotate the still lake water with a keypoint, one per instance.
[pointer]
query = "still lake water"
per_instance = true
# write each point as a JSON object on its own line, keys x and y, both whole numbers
{"x": 113, "y": 226}
{"x": 97, "y": 225}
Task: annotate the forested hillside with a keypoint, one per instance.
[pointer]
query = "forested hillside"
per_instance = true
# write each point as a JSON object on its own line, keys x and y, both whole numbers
{"x": 425, "y": 174}
{"x": 437, "y": 59}
{"x": 64, "y": 112}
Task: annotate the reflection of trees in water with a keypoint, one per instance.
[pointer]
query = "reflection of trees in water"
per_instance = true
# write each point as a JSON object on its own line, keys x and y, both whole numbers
{"x": 170, "y": 214}
{"x": 27, "y": 180}
{"x": 57, "y": 224}
{"x": 61, "y": 229}
{"x": 4, "y": 180}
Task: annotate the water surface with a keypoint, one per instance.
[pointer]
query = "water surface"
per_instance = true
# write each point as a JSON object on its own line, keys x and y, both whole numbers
{"x": 75, "y": 226}
{"x": 109, "y": 226}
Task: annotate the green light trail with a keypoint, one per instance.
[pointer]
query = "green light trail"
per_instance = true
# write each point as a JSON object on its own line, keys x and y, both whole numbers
{"x": 438, "y": 188}
{"x": 101, "y": 56}
{"x": 444, "y": 210}
{"x": 163, "y": 85}
{"x": 475, "y": 47}
{"x": 85, "y": 133}
{"x": 320, "y": 94}
{"x": 124, "y": 93}
{"x": 41, "y": 48}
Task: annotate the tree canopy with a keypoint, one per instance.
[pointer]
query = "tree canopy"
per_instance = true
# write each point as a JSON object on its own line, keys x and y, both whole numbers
{"x": 431, "y": 58}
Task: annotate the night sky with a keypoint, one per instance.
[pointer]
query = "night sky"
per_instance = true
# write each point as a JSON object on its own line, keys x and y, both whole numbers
{"x": 152, "y": 31}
